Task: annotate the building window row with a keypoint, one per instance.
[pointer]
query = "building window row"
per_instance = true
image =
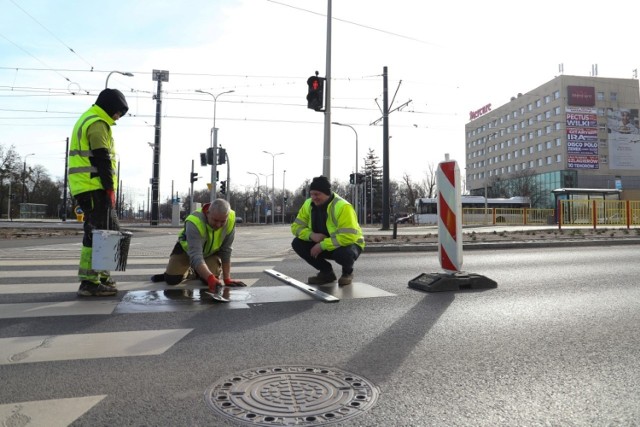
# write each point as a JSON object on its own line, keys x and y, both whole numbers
{"x": 548, "y": 129}
{"x": 547, "y": 161}
{"x": 520, "y": 112}
{"x": 548, "y": 145}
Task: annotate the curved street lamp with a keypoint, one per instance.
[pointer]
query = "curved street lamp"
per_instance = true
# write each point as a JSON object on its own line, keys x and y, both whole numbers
{"x": 257, "y": 195}
{"x": 273, "y": 188}
{"x": 214, "y": 143}
{"x": 355, "y": 177}
{"x": 124, "y": 73}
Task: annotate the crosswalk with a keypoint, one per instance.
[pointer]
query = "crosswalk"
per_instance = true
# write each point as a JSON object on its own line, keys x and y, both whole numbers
{"x": 40, "y": 285}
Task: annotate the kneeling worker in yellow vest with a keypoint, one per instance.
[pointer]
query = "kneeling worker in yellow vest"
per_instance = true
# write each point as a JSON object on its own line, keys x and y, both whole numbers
{"x": 326, "y": 227}
{"x": 204, "y": 248}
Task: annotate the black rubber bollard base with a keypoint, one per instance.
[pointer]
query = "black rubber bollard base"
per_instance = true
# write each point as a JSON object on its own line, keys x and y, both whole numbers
{"x": 442, "y": 282}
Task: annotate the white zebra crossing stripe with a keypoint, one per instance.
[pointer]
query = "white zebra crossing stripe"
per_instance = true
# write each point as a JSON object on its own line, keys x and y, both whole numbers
{"x": 51, "y": 413}
{"x": 66, "y": 308}
{"x": 71, "y": 262}
{"x": 72, "y": 286}
{"x": 130, "y": 271}
{"x": 88, "y": 346}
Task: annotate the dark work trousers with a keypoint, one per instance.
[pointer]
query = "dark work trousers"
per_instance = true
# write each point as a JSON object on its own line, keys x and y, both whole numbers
{"x": 345, "y": 256}
{"x": 98, "y": 215}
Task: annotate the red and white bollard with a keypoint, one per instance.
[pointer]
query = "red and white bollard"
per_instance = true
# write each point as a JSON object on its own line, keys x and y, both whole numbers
{"x": 449, "y": 216}
{"x": 450, "y": 238}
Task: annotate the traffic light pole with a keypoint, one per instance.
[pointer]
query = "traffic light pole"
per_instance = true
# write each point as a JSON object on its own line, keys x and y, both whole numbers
{"x": 214, "y": 164}
{"x": 228, "y": 177}
{"x": 326, "y": 160}
{"x": 214, "y": 142}
{"x": 191, "y": 191}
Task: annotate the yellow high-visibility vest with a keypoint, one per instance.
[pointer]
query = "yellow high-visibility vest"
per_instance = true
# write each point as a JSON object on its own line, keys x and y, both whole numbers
{"x": 83, "y": 176}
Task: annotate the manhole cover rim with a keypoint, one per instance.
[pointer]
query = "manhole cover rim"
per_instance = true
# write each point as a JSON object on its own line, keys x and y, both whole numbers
{"x": 314, "y": 395}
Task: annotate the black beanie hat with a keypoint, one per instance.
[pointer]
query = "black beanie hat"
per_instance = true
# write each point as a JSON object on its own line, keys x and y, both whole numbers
{"x": 322, "y": 184}
{"x": 112, "y": 101}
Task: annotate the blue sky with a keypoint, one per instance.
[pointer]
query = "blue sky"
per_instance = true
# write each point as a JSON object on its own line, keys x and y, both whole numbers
{"x": 448, "y": 58}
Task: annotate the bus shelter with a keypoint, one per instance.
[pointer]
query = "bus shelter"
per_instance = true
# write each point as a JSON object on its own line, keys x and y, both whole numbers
{"x": 589, "y": 206}
{"x": 33, "y": 210}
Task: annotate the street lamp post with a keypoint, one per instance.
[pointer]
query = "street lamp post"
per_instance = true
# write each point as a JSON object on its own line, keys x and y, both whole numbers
{"x": 284, "y": 194}
{"x": 24, "y": 174}
{"x": 266, "y": 190}
{"x": 124, "y": 73}
{"x": 355, "y": 178}
{"x": 273, "y": 188}
{"x": 257, "y": 195}
{"x": 214, "y": 141}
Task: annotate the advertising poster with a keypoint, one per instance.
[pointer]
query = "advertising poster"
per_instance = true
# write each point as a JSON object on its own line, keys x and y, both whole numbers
{"x": 582, "y": 162}
{"x": 624, "y": 138}
{"x": 582, "y": 137}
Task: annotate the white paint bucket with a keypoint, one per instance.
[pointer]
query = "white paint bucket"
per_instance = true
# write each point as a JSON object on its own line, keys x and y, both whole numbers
{"x": 110, "y": 250}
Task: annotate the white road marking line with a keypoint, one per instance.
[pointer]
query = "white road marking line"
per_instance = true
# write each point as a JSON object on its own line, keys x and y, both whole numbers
{"x": 130, "y": 271}
{"x": 65, "y": 308}
{"x": 72, "y": 286}
{"x": 130, "y": 261}
{"x": 52, "y": 413}
{"x": 88, "y": 346}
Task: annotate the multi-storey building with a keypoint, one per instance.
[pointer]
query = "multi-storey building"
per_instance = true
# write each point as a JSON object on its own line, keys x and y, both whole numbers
{"x": 571, "y": 132}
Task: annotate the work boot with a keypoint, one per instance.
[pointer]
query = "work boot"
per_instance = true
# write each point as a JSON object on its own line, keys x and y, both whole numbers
{"x": 321, "y": 278}
{"x": 108, "y": 281}
{"x": 345, "y": 279}
{"x": 191, "y": 274}
{"x": 157, "y": 278}
{"x": 91, "y": 289}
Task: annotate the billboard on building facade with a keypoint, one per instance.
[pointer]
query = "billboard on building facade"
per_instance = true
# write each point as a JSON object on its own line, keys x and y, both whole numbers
{"x": 581, "y": 96}
{"x": 582, "y": 137}
{"x": 582, "y": 162}
{"x": 624, "y": 138}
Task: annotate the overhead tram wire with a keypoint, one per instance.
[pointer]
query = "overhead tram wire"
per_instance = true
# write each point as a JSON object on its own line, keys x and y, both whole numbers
{"x": 34, "y": 57}
{"x": 356, "y": 24}
{"x": 50, "y": 32}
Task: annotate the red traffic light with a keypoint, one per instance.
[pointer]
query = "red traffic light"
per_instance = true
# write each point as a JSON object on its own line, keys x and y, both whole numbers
{"x": 315, "y": 96}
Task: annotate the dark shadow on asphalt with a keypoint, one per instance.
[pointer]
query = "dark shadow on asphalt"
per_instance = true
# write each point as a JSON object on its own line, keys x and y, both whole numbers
{"x": 384, "y": 355}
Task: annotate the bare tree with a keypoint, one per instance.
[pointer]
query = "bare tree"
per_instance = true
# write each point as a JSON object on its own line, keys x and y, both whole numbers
{"x": 410, "y": 192}
{"x": 429, "y": 183}
{"x": 523, "y": 183}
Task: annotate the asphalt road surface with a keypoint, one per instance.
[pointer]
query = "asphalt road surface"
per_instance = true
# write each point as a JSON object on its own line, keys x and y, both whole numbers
{"x": 556, "y": 343}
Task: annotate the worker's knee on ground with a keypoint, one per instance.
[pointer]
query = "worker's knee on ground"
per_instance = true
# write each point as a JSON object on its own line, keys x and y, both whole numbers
{"x": 173, "y": 279}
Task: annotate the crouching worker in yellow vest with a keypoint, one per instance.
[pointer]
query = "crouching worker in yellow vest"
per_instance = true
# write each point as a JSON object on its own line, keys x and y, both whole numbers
{"x": 93, "y": 182}
{"x": 326, "y": 227}
{"x": 204, "y": 248}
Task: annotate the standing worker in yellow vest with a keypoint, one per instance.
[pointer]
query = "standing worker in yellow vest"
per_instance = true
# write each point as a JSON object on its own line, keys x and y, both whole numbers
{"x": 93, "y": 182}
{"x": 204, "y": 248}
{"x": 326, "y": 227}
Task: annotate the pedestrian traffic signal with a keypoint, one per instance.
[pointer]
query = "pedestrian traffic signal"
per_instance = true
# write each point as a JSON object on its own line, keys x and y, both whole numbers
{"x": 223, "y": 187}
{"x": 210, "y": 155}
{"x": 203, "y": 159}
{"x": 194, "y": 177}
{"x": 222, "y": 156}
{"x": 315, "y": 96}
{"x": 352, "y": 178}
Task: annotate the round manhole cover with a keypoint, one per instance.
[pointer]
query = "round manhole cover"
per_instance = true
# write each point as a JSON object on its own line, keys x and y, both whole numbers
{"x": 292, "y": 395}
